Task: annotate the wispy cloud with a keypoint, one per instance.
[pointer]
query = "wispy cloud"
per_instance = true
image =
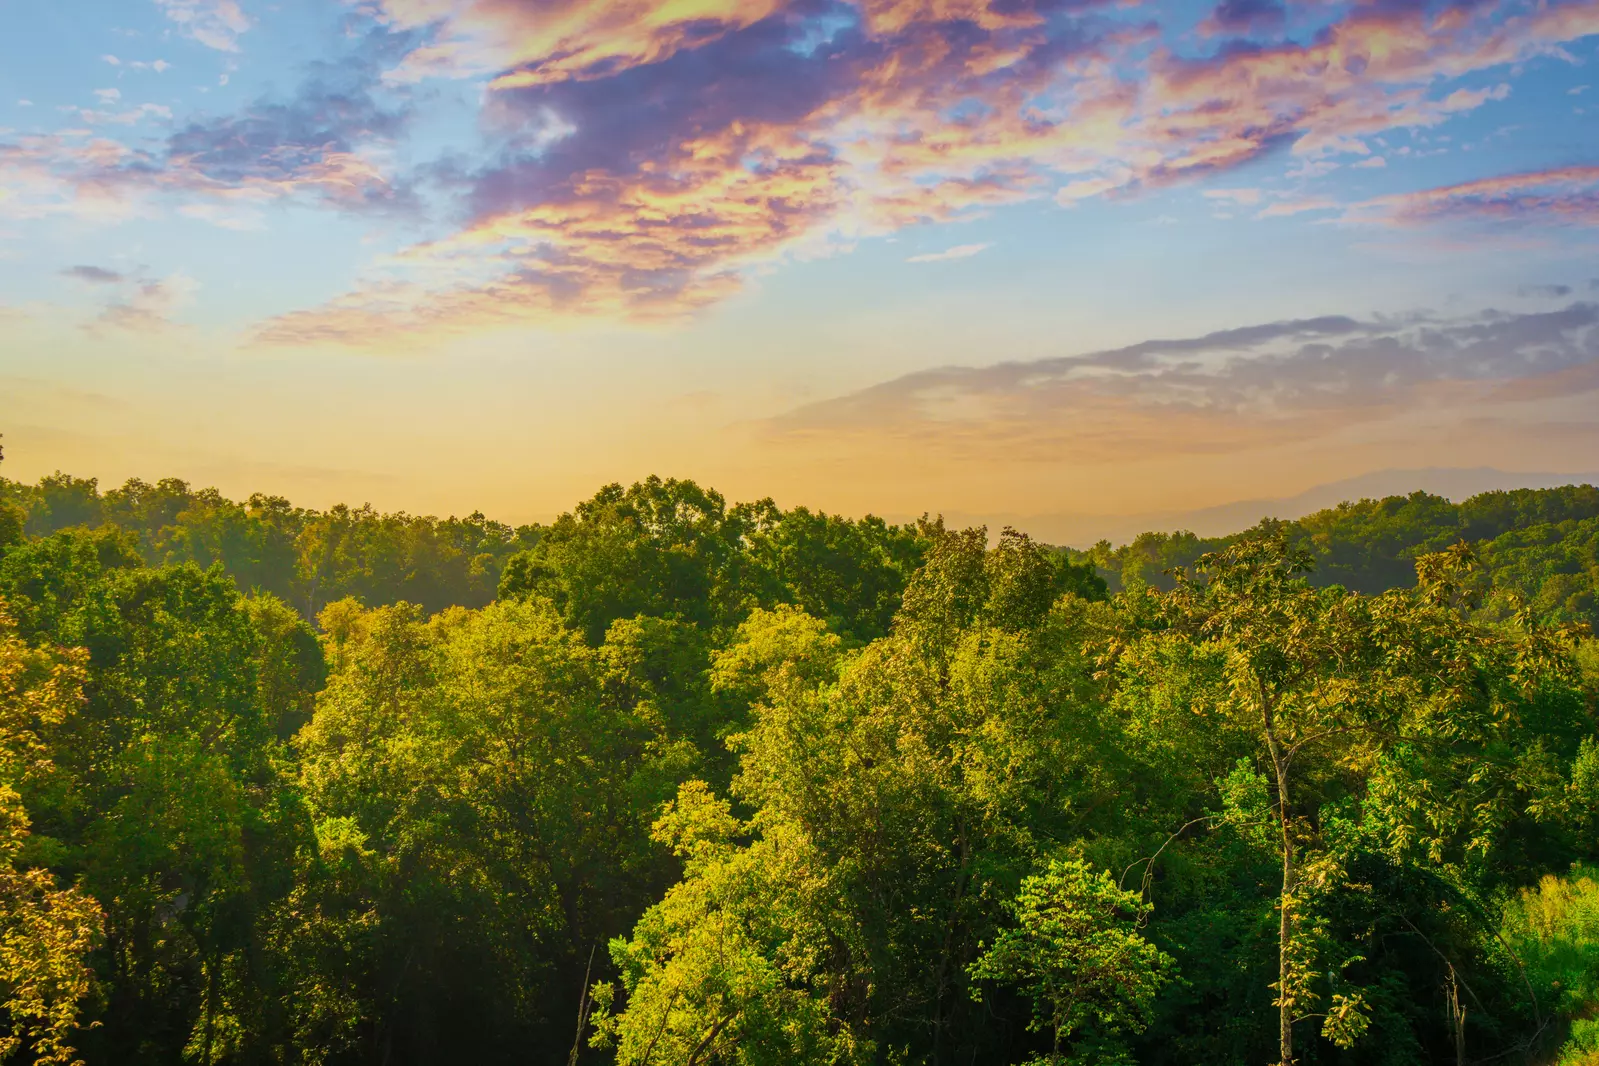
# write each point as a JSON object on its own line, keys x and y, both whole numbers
{"x": 309, "y": 145}
{"x": 321, "y": 145}
{"x": 135, "y": 300}
{"x": 149, "y": 305}
{"x": 1242, "y": 197}
{"x": 1566, "y": 195}
{"x": 960, "y": 251}
{"x": 216, "y": 24}
{"x": 130, "y": 116}
{"x": 160, "y": 66}
{"x": 240, "y": 217}
{"x": 1557, "y": 197}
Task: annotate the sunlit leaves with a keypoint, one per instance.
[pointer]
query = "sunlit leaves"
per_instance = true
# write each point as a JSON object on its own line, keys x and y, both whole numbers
{"x": 1554, "y": 930}
{"x": 46, "y": 931}
{"x": 45, "y": 936}
{"x": 1076, "y": 952}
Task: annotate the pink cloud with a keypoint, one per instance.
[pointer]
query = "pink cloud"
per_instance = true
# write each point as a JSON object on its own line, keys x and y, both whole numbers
{"x": 1298, "y": 206}
{"x": 960, "y": 251}
{"x": 1241, "y": 197}
{"x": 523, "y": 43}
{"x": 654, "y": 155}
{"x": 1566, "y": 195}
{"x": 743, "y": 170}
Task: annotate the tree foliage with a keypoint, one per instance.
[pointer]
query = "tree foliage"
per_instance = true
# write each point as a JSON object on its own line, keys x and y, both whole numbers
{"x": 46, "y": 932}
{"x": 1077, "y": 953}
{"x": 677, "y": 782}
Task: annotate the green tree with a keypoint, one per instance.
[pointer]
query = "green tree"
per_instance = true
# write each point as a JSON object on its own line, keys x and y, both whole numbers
{"x": 664, "y": 548}
{"x": 1553, "y": 929}
{"x": 483, "y": 785}
{"x": 64, "y": 501}
{"x": 1371, "y": 698}
{"x": 900, "y": 792}
{"x": 1077, "y": 953}
{"x": 850, "y": 574}
{"x": 167, "y": 797}
{"x": 12, "y": 520}
{"x": 724, "y": 969}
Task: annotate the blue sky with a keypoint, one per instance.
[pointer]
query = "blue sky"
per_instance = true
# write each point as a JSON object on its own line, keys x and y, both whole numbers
{"x": 450, "y": 254}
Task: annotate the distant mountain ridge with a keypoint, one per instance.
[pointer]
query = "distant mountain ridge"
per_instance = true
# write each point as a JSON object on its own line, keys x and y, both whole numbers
{"x": 1454, "y": 483}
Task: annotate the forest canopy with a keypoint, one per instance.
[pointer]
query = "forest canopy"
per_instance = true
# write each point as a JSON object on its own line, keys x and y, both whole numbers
{"x": 678, "y": 782}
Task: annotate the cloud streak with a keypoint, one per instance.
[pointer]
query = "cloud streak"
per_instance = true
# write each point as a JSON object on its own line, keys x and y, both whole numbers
{"x": 1567, "y": 195}
{"x": 1272, "y": 384}
{"x": 94, "y": 275}
{"x": 960, "y": 251}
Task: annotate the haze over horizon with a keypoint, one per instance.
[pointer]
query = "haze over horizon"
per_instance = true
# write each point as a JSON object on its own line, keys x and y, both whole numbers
{"x": 894, "y": 256}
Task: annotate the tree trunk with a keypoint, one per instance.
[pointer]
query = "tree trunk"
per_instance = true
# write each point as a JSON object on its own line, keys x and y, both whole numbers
{"x": 582, "y": 1008}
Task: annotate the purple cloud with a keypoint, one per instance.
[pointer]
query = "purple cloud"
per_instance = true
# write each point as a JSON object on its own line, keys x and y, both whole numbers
{"x": 94, "y": 275}
{"x": 642, "y": 166}
{"x": 1242, "y": 16}
{"x": 320, "y": 145}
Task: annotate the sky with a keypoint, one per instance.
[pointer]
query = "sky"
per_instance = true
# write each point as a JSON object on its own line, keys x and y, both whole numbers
{"x": 983, "y": 257}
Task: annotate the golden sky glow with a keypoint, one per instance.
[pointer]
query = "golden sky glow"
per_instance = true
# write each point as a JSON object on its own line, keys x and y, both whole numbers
{"x": 895, "y": 255}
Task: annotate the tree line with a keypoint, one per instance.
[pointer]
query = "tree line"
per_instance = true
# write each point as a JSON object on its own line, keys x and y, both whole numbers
{"x": 675, "y": 782}
{"x": 1538, "y": 546}
{"x": 1535, "y": 545}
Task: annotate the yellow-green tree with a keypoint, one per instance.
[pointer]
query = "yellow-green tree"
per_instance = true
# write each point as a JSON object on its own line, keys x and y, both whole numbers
{"x": 46, "y": 931}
